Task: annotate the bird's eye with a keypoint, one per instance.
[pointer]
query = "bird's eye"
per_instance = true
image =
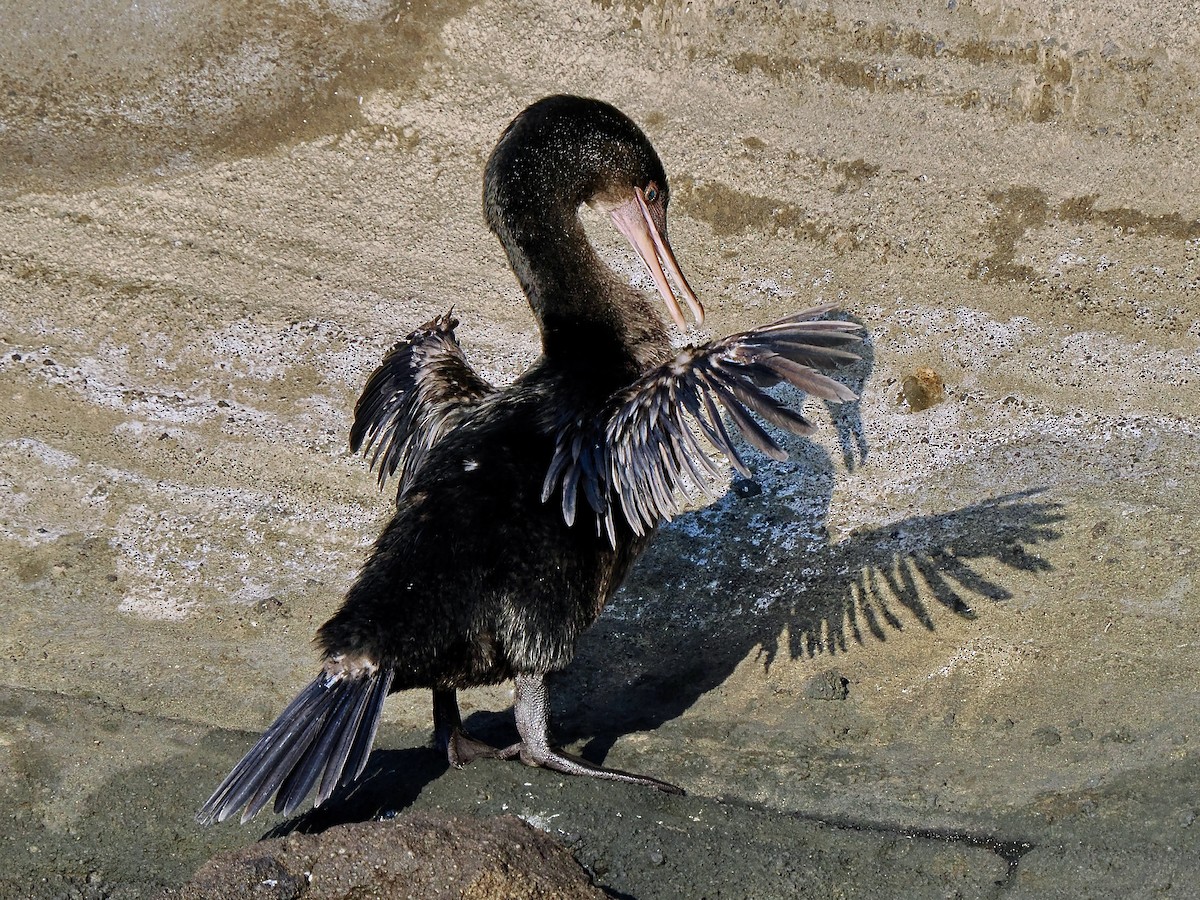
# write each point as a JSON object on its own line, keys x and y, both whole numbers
{"x": 651, "y": 193}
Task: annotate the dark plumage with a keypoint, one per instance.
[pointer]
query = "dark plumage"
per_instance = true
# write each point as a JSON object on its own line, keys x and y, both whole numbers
{"x": 490, "y": 569}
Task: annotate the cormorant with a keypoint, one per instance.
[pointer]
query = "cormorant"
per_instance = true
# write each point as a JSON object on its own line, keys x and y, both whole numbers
{"x": 521, "y": 509}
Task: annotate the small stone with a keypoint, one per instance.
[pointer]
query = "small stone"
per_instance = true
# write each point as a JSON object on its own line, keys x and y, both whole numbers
{"x": 923, "y": 389}
{"x": 270, "y": 606}
{"x": 1047, "y": 737}
{"x": 656, "y": 857}
{"x": 1117, "y": 736}
{"x": 828, "y": 685}
{"x": 744, "y": 488}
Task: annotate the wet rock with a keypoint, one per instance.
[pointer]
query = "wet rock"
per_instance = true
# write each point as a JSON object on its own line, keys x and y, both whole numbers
{"x": 423, "y": 855}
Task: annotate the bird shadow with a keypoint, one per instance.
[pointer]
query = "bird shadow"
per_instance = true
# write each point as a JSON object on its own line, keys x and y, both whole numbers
{"x": 757, "y": 572}
{"x": 681, "y": 629}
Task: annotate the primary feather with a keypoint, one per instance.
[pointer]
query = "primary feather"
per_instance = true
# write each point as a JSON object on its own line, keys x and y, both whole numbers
{"x": 642, "y": 450}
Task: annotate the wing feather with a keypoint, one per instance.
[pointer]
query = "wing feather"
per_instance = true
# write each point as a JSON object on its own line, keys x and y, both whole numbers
{"x": 643, "y": 451}
{"x": 725, "y": 442}
{"x": 419, "y": 392}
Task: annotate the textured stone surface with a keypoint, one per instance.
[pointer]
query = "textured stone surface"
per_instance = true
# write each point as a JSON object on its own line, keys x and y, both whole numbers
{"x": 216, "y": 217}
{"x": 440, "y": 857}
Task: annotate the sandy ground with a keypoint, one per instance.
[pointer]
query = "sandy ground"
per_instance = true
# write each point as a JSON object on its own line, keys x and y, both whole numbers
{"x": 942, "y": 653}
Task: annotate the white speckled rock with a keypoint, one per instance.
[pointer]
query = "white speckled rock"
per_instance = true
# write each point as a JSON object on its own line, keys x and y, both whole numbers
{"x": 215, "y": 218}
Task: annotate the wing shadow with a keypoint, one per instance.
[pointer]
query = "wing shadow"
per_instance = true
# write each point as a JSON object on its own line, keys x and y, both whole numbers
{"x": 682, "y": 635}
{"x": 780, "y": 587}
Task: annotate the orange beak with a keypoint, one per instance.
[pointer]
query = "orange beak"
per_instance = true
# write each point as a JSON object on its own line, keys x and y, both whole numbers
{"x": 645, "y": 227}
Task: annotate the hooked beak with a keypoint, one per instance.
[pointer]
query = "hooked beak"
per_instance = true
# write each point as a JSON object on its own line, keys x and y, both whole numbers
{"x": 645, "y": 229}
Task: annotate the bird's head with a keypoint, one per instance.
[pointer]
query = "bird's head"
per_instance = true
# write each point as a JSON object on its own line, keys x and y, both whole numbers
{"x": 563, "y": 152}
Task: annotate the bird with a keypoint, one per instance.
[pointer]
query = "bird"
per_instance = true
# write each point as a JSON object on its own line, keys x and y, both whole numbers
{"x": 520, "y": 509}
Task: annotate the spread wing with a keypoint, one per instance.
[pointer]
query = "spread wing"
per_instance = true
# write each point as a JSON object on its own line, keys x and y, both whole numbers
{"x": 420, "y": 390}
{"x": 644, "y": 450}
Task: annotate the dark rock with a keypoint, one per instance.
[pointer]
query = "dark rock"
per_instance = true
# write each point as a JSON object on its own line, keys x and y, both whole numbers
{"x": 422, "y": 855}
{"x": 828, "y": 685}
{"x": 745, "y": 488}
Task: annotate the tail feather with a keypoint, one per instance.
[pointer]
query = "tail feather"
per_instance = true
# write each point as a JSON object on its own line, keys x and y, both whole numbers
{"x": 304, "y": 743}
{"x": 279, "y": 766}
{"x": 240, "y": 783}
{"x": 317, "y": 757}
{"x": 341, "y": 748}
{"x": 364, "y": 736}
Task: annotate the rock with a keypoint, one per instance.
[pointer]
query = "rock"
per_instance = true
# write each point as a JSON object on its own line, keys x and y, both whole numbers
{"x": 216, "y": 217}
{"x": 828, "y": 685}
{"x": 423, "y": 855}
{"x": 1048, "y": 736}
{"x": 923, "y": 389}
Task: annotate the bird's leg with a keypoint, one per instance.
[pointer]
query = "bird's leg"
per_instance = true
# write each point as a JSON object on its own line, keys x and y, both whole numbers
{"x": 448, "y": 734}
{"x": 533, "y": 711}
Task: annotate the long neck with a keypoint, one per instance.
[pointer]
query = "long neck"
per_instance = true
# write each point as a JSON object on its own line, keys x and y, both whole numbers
{"x": 589, "y": 318}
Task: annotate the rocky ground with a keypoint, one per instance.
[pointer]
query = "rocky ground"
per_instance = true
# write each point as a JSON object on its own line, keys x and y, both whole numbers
{"x": 938, "y": 652}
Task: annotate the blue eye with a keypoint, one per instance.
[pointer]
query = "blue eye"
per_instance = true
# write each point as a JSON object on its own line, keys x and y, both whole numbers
{"x": 651, "y": 193}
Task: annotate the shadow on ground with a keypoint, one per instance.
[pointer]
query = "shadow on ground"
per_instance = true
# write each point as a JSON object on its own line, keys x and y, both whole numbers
{"x": 636, "y": 675}
{"x": 757, "y": 573}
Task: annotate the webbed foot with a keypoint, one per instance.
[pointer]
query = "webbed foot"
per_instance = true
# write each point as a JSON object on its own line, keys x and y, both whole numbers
{"x": 449, "y": 736}
{"x": 462, "y": 749}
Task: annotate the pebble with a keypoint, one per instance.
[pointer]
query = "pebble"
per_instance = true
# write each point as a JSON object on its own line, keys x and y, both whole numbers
{"x": 745, "y": 488}
{"x": 923, "y": 388}
{"x": 1047, "y": 737}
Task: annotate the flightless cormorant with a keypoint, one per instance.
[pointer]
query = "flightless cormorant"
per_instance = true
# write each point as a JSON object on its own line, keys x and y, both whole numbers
{"x": 521, "y": 509}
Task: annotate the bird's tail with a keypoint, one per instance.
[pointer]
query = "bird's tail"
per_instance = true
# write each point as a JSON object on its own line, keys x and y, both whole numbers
{"x": 326, "y": 733}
